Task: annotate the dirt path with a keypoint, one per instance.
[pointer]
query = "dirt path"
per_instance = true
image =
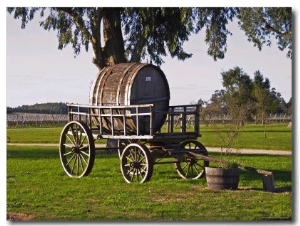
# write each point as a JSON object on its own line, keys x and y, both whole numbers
{"x": 255, "y": 151}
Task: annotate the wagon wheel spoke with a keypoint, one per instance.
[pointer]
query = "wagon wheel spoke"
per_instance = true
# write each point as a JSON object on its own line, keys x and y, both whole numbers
{"x": 83, "y": 159}
{"x": 82, "y": 142}
{"x": 68, "y": 153}
{"x": 70, "y": 160}
{"x": 136, "y": 163}
{"x": 77, "y": 132}
{"x": 70, "y": 139}
{"x": 200, "y": 166}
{"x": 77, "y": 149}
{"x": 86, "y": 154}
{"x": 136, "y": 171}
{"x": 77, "y": 165}
{"x": 82, "y": 165}
{"x": 188, "y": 167}
{"x": 129, "y": 159}
{"x": 83, "y": 149}
{"x": 196, "y": 169}
{"x": 74, "y": 163}
{"x": 74, "y": 135}
{"x": 121, "y": 145}
{"x": 68, "y": 145}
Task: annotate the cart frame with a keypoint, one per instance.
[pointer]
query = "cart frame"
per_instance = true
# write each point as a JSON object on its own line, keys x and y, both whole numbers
{"x": 138, "y": 150}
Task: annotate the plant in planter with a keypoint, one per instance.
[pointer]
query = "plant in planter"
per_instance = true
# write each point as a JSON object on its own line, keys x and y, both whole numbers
{"x": 226, "y": 174}
{"x": 236, "y": 102}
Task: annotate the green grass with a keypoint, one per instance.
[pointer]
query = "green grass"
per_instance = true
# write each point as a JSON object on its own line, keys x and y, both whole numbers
{"x": 34, "y": 135}
{"x": 278, "y": 136}
{"x": 37, "y": 186}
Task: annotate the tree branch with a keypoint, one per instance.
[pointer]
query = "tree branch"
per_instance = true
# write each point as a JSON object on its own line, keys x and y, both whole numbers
{"x": 78, "y": 21}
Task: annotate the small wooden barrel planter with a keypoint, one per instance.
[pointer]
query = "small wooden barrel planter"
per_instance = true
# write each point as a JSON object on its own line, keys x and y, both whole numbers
{"x": 218, "y": 178}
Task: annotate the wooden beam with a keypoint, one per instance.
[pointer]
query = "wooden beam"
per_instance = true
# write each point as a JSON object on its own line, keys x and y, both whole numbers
{"x": 267, "y": 178}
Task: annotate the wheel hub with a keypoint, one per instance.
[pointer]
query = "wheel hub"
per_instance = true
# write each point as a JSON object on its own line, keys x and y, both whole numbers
{"x": 191, "y": 161}
{"x": 135, "y": 165}
{"x": 75, "y": 150}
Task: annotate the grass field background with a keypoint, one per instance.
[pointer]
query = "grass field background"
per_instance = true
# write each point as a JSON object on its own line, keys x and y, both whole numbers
{"x": 38, "y": 187}
{"x": 278, "y": 136}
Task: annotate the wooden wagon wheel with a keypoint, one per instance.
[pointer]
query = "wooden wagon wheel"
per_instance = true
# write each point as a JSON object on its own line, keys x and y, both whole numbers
{"x": 77, "y": 149}
{"x": 188, "y": 166}
{"x": 121, "y": 145}
{"x": 136, "y": 163}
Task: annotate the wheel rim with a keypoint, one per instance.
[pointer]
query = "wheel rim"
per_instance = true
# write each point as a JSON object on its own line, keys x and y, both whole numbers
{"x": 136, "y": 163}
{"x": 77, "y": 149}
{"x": 121, "y": 145}
{"x": 190, "y": 167}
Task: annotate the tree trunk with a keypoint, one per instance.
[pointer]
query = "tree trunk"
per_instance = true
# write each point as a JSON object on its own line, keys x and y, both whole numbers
{"x": 114, "y": 52}
{"x": 98, "y": 58}
{"x": 111, "y": 51}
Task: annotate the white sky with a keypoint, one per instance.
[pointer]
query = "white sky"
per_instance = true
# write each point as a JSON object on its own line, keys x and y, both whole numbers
{"x": 37, "y": 72}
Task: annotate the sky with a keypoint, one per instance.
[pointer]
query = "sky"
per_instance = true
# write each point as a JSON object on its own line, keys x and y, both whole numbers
{"x": 38, "y": 72}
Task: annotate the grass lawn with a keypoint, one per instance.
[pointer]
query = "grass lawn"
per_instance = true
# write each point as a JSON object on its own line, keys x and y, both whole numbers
{"x": 278, "y": 136}
{"x": 38, "y": 189}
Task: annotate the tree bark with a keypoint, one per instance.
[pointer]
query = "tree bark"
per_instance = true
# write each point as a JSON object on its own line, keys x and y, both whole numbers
{"x": 98, "y": 58}
{"x": 114, "y": 52}
{"x": 111, "y": 51}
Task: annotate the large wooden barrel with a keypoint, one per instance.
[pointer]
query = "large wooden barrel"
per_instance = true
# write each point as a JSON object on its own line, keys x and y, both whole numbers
{"x": 132, "y": 84}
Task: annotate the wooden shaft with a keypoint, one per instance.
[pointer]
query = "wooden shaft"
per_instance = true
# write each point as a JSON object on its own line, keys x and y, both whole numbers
{"x": 211, "y": 159}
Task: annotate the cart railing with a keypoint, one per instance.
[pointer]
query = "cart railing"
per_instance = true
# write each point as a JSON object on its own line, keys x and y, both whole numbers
{"x": 184, "y": 115}
{"x": 177, "y": 118}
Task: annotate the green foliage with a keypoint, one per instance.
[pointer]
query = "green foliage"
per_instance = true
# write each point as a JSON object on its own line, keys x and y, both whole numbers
{"x": 136, "y": 34}
{"x": 45, "y": 108}
{"x": 241, "y": 94}
{"x": 152, "y": 31}
{"x": 239, "y": 101}
{"x": 260, "y": 24}
{"x": 264, "y": 101}
{"x": 215, "y": 20}
{"x": 230, "y": 165}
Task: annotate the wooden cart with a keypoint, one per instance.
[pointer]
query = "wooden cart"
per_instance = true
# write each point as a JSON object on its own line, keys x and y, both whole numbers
{"x": 140, "y": 146}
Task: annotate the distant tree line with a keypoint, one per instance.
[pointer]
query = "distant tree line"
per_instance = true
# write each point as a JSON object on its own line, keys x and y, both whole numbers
{"x": 253, "y": 98}
{"x": 242, "y": 94}
{"x": 44, "y": 108}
